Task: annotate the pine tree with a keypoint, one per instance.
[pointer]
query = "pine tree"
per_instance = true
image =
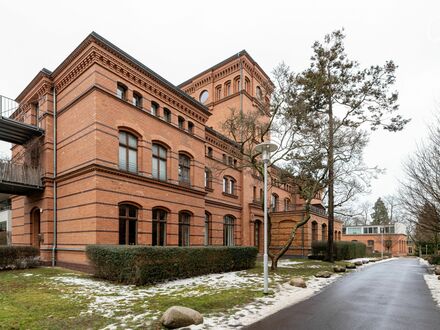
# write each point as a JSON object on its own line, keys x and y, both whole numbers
{"x": 380, "y": 214}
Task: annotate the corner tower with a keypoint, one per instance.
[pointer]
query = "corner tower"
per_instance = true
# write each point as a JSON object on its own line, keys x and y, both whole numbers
{"x": 236, "y": 83}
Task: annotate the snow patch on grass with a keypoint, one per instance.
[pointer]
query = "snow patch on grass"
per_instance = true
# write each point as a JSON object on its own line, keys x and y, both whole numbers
{"x": 284, "y": 295}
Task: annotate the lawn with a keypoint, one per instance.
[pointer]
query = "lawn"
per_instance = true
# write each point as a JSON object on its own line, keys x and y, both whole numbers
{"x": 56, "y": 298}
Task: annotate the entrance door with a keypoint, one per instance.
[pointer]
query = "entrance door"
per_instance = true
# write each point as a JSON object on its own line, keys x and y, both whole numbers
{"x": 35, "y": 228}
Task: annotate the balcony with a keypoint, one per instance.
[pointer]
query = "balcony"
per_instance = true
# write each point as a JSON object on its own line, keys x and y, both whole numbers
{"x": 19, "y": 179}
{"x": 18, "y": 124}
{"x": 281, "y": 207}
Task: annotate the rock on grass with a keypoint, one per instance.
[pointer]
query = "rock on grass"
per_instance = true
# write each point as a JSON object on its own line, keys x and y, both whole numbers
{"x": 179, "y": 316}
{"x": 298, "y": 282}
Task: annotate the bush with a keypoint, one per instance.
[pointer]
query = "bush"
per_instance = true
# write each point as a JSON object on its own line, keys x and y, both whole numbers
{"x": 18, "y": 257}
{"x": 150, "y": 264}
{"x": 342, "y": 250}
{"x": 434, "y": 259}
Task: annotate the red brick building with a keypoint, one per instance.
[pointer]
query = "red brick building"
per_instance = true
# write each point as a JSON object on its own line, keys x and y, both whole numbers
{"x": 126, "y": 157}
{"x": 389, "y": 239}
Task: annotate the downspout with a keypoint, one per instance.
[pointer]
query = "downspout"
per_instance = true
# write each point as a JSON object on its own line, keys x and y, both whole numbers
{"x": 54, "y": 245}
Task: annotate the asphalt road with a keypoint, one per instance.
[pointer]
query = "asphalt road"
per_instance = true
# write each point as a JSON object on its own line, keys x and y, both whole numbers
{"x": 389, "y": 295}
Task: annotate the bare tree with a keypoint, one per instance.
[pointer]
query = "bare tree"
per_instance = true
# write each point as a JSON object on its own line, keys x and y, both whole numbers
{"x": 420, "y": 189}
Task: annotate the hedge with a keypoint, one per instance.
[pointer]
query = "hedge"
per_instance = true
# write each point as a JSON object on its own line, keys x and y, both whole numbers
{"x": 150, "y": 264}
{"x": 434, "y": 259}
{"x": 342, "y": 250}
{"x": 13, "y": 257}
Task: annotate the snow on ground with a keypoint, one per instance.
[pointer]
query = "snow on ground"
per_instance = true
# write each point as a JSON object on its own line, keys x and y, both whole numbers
{"x": 285, "y": 295}
{"x": 432, "y": 281}
{"x": 117, "y": 301}
{"x": 287, "y": 263}
{"x": 112, "y": 300}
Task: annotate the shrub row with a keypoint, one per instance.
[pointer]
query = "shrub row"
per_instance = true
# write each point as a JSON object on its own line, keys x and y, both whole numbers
{"x": 12, "y": 257}
{"x": 150, "y": 264}
{"x": 342, "y": 250}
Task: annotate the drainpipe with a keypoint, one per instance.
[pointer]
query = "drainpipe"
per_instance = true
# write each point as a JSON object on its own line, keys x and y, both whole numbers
{"x": 54, "y": 245}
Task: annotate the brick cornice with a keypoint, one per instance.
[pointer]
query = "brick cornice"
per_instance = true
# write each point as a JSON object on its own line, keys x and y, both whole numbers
{"x": 102, "y": 57}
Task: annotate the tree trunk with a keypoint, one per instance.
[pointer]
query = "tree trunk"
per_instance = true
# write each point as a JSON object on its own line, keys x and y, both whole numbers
{"x": 331, "y": 215}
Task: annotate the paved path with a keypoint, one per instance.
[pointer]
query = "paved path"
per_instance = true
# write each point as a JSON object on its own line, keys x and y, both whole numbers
{"x": 389, "y": 295}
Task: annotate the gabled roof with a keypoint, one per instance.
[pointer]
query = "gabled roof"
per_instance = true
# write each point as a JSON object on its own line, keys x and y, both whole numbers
{"x": 220, "y": 64}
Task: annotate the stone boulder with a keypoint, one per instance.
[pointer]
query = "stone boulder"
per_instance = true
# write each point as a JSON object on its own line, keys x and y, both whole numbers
{"x": 365, "y": 261}
{"x": 358, "y": 263}
{"x": 323, "y": 274}
{"x": 338, "y": 269}
{"x": 350, "y": 265}
{"x": 438, "y": 277}
{"x": 437, "y": 270}
{"x": 178, "y": 316}
{"x": 373, "y": 260}
{"x": 298, "y": 282}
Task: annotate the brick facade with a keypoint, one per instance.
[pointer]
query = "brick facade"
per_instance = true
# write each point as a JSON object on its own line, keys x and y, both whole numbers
{"x": 91, "y": 186}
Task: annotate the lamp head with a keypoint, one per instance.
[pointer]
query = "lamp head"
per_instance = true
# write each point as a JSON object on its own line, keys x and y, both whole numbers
{"x": 266, "y": 148}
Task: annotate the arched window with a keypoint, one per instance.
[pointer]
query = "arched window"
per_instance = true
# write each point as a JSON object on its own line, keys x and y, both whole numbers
{"x": 324, "y": 231}
{"x": 314, "y": 231}
{"x": 286, "y": 204}
{"x": 208, "y": 178}
{"x": 207, "y": 231}
{"x": 154, "y": 109}
{"x": 159, "y": 162}
{"x": 259, "y": 93}
{"x": 228, "y": 230}
{"x": 121, "y": 91}
{"x": 229, "y": 185}
{"x": 247, "y": 85}
{"x": 218, "y": 92}
{"x": 274, "y": 202}
{"x": 127, "y": 224}
{"x": 137, "y": 100}
{"x": 339, "y": 235}
{"x": 224, "y": 159}
{"x": 159, "y": 228}
{"x": 261, "y": 195}
{"x": 209, "y": 152}
{"x": 127, "y": 152}
{"x": 227, "y": 88}
{"x": 184, "y": 169}
{"x": 181, "y": 122}
{"x": 190, "y": 127}
{"x": 237, "y": 86}
{"x": 184, "y": 220}
{"x": 336, "y": 236}
{"x": 167, "y": 115}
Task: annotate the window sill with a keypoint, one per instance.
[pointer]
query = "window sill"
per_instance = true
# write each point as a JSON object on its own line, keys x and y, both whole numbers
{"x": 230, "y": 195}
{"x": 209, "y": 189}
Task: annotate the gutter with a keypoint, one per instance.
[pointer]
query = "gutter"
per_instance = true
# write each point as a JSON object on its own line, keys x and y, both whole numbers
{"x": 54, "y": 243}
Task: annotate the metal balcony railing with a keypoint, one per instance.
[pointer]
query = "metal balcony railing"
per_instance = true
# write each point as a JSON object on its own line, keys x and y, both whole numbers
{"x": 18, "y": 124}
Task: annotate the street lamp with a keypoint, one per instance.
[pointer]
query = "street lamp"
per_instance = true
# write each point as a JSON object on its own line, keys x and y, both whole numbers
{"x": 265, "y": 149}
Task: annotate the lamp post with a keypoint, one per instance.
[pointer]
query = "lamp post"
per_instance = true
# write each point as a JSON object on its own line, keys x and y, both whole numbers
{"x": 265, "y": 149}
{"x": 382, "y": 229}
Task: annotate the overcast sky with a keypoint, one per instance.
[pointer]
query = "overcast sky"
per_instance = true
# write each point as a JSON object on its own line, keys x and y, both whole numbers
{"x": 178, "y": 39}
